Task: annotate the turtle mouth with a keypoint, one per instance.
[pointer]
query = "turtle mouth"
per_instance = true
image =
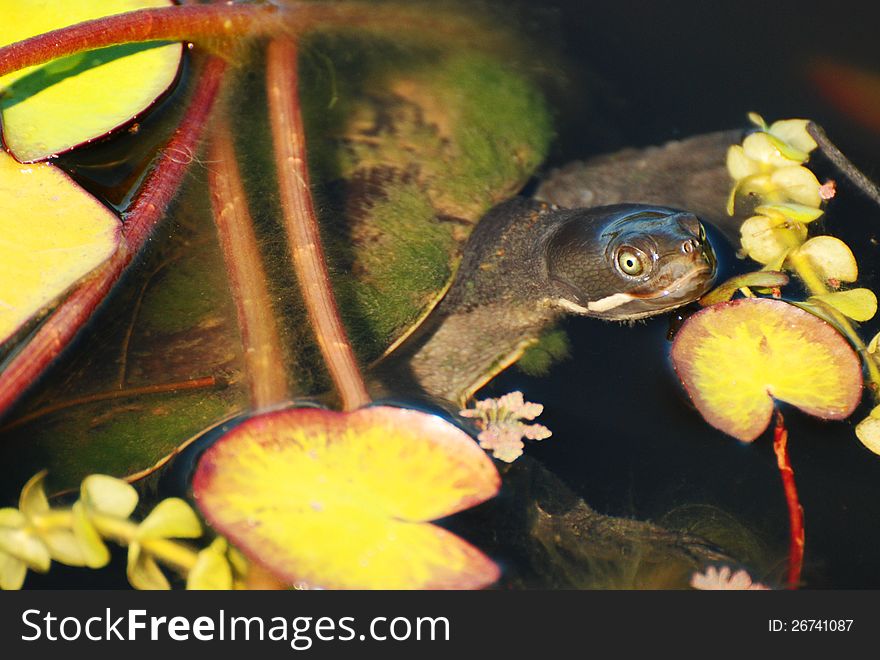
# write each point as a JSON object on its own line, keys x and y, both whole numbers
{"x": 695, "y": 281}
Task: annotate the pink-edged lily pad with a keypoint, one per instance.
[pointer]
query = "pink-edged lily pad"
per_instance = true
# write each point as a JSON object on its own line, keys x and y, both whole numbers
{"x": 735, "y": 358}
{"x": 342, "y": 500}
{"x": 52, "y": 234}
{"x": 50, "y": 109}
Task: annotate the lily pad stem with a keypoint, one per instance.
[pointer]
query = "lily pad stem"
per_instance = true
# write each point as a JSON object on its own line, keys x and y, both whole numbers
{"x": 301, "y": 224}
{"x": 795, "y": 510}
{"x": 264, "y": 360}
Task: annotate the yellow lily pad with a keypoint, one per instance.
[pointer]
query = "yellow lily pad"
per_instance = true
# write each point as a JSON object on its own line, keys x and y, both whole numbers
{"x": 52, "y": 233}
{"x": 343, "y": 500}
{"x": 736, "y": 357}
{"x": 50, "y": 109}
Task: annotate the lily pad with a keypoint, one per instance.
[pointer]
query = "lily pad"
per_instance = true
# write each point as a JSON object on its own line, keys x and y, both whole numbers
{"x": 734, "y": 358}
{"x": 342, "y": 500}
{"x": 52, "y": 233}
{"x": 51, "y": 109}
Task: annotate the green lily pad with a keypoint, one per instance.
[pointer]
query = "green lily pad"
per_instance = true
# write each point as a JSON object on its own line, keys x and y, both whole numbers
{"x": 51, "y": 109}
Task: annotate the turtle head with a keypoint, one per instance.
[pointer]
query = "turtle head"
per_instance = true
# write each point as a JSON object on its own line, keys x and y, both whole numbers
{"x": 628, "y": 261}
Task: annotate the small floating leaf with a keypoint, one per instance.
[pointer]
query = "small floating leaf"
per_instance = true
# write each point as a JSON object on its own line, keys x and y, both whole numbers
{"x": 50, "y": 109}
{"x": 172, "y": 518}
{"x": 767, "y": 240}
{"x": 762, "y": 147}
{"x": 736, "y": 357}
{"x": 796, "y": 212}
{"x": 143, "y": 572}
{"x": 342, "y": 500}
{"x": 831, "y": 257}
{"x": 109, "y": 495}
{"x": 793, "y": 132}
{"x": 769, "y": 279}
{"x": 95, "y": 552}
{"x": 868, "y": 430}
{"x": 212, "y": 570}
{"x": 739, "y": 166}
{"x": 795, "y": 184}
{"x": 52, "y": 233}
{"x": 857, "y": 304}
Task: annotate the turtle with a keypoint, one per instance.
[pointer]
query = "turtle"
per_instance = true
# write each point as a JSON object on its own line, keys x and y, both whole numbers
{"x": 533, "y": 259}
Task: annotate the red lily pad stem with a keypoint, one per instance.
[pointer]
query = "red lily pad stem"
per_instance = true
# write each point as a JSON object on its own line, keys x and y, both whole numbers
{"x": 795, "y": 510}
{"x": 141, "y": 218}
{"x": 301, "y": 224}
{"x": 264, "y": 359}
{"x": 175, "y": 23}
{"x": 206, "y": 23}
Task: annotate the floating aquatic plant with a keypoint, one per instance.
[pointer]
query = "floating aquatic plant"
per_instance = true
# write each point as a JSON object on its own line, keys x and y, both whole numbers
{"x": 36, "y": 533}
{"x": 724, "y": 578}
{"x": 734, "y": 358}
{"x": 502, "y": 427}
{"x": 343, "y": 500}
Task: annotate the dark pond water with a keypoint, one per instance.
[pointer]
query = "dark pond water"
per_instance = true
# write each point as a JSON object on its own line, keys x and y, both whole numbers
{"x": 625, "y": 437}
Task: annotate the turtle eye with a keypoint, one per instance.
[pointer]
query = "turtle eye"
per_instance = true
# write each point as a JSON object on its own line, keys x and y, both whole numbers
{"x": 630, "y": 261}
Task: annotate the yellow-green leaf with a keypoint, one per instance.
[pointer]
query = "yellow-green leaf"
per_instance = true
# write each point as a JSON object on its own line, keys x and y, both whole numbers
{"x": 108, "y": 495}
{"x": 769, "y": 279}
{"x": 12, "y": 572}
{"x": 831, "y": 257}
{"x": 143, "y": 572}
{"x": 12, "y": 518}
{"x": 857, "y": 304}
{"x": 50, "y": 109}
{"x": 24, "y": 545}
{"x": 32, "y": 501}
{"x": 739, "y": 166}
{"x": 735, "y": 358}
{"x": 868, "y": 430}
{"x": 342, "y": 500}
{"x": 64, "y": 546}
{"x": 793, "y": 132}
{"x": 796, "y": 212}
{"x": 95, "y": 552}
{"x": 794, "y": 184}
{"x": 764, "y": 148}
{"x": 767, "y": 240}
{"x": 52, "y": 233}
{"x": 172, "y": 518}
{"x": 212, "y": 570}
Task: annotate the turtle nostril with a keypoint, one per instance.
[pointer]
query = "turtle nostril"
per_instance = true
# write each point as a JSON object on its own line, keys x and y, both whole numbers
{"x": 688, "y": 246}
